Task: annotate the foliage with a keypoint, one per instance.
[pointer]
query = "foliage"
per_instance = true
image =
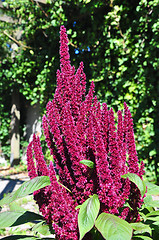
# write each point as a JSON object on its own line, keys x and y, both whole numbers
{"x": 17, "y": 215}
{"x": 87, "y": 214}
{"x": 109, "y": 225}
{"x": 118, "y": 42}
{"x": 26, "y": 63}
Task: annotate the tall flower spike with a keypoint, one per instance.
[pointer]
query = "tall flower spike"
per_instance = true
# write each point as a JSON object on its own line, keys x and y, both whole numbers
{"x": 121, "y": 143}
{"x": 104, "y": 125}
{"x": 114, "y": 163}
{"x": 39, "y": 157}
{"x": 77, "y": 127}
{"x": 82, "y": 77}
{"x": 102, "y": 166}
{"x": 69, "y": 130}
{"x": 30, "y": 162}
{"x": 59, "y": 153}
{"x": 130, "y": 140}
{"x": 62, "y": 210}
{"x": 64, "y": 52}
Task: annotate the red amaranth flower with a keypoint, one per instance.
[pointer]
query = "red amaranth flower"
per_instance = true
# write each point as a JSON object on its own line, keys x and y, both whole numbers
{"x": 77, "y": 127}
{"x": 30, "y": 162}
{"x": 130, "y": 140}
{"x": 41, "y": 166}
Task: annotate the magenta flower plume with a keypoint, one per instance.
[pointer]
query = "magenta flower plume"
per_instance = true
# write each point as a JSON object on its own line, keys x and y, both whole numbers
{"x": 31, "y": 165}
{"x": 64, "y": 52}
{"x": 39, "y": 157}
{"x": 77, "y": 127}
{"x": 61, "y": 210}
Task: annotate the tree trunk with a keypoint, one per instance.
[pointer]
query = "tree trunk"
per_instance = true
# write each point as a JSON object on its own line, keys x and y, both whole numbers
{"x": 15, "y": 134}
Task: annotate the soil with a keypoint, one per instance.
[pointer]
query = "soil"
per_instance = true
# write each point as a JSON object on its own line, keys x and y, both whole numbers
{"x": 13, "y": 173}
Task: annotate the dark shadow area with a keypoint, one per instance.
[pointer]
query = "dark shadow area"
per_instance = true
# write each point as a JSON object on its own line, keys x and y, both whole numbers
{"x": 27, "y": 217}
{"x": 9, "y": 186}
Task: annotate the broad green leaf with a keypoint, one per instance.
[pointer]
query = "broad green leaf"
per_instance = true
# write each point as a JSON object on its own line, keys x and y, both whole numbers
{"x": 137, "y": 180}
{"x": 88, "y": 163}
{"x": 152, "y": 189}
{"x": 143, "y": 216}
{"x": 42, "y": 228}
{"x": 142, "y": 237}
{"x": 21, "y": 237}
{"x": 154, "y": 204}
{"x": 156, "y": 223}
{"x": 26, "y": 188}
{"x": 155, "y": 219}
{"x": 154, "y": 213}
{"x": 141, "y": 228}
{"x": 87, "y": 215}
{"x": 24, "y": 237}
{"x": 113, "y": 228}
{"x": 8, "y": 219}
{"x": 148, "y": 199}
{"x": 16, "y": 207}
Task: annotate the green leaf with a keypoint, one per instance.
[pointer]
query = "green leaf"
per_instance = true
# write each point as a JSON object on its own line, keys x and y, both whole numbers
{"x": 26, "y": 188}
{"x": 113, "y": 228}
{"x": 153, "y": 204}
{"x": 156, "y": 223}
{"x": 143, "y": 216}
{"x": 88, "y": 163}
{"x": 78, "y": 206}
{"x": 12, "y": 218}
{"x": 154, "y": 219}
{"x": 141, "y": 228}
{"x": 137, "y": 180}
{"x": 142, "y": 237}
{"x": 42, "y": 228}
{"x": 154, "y": 213}
{"x": 24, "y": 237}
{"x": 16, "y": 207}
{"x": 148, "y": 199}
{"x": 152, "y": 189}
{"x": 128, "y": 205}
{"x": 20, "y": 237}
{"x": 87, "y": 215}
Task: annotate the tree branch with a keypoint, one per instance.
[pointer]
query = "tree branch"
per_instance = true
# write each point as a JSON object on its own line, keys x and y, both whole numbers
{"x": 17, "y": 42}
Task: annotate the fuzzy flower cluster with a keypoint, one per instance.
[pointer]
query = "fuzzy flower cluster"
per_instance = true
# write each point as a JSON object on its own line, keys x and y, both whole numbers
{"x": 77, "y": 127}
